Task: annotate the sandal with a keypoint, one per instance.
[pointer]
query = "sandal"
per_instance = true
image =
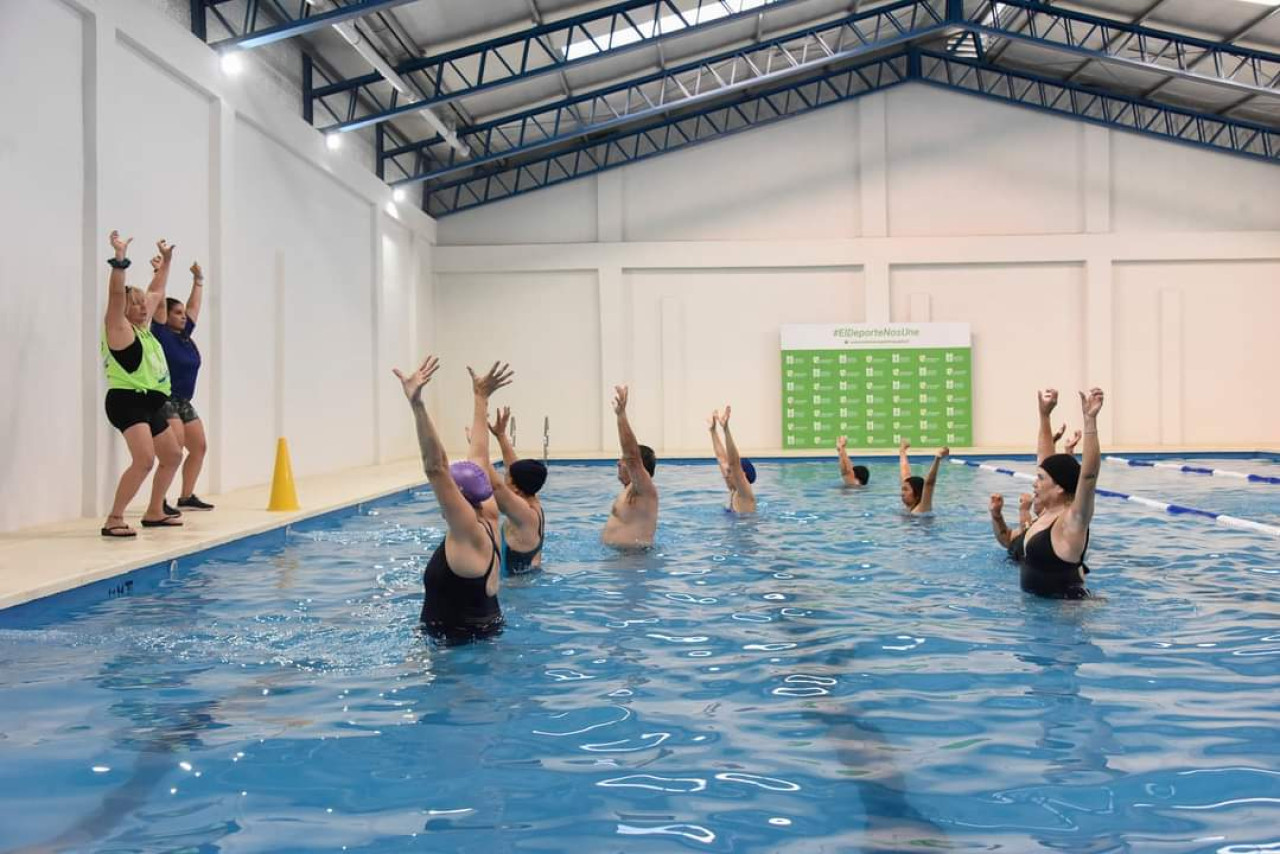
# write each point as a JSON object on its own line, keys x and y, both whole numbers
{"x": 119, "y": 532}
{"x": 166, "y": 522}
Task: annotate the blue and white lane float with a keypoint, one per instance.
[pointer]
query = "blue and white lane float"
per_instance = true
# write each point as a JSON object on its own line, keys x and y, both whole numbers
{"x": 1174, "y": 509}
{"x": 1185, "y": 469}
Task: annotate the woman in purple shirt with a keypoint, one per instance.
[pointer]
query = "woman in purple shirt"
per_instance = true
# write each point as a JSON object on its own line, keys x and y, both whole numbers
{"x": 173, "y": 324}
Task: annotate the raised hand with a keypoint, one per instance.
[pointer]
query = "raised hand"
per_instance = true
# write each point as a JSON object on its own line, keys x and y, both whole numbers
{"x": 842, "y": 442}
{"x": 1091, "y": 405}
{"x": 498, "y": 376}
{"x": 903, "y": 446}
{"x": 1047, "y": 400}
{"x": 997, "y": 504}
{"x": 943, "y": 452}
{"x": 1024, "y": 502}
{"x": 196, "y": 272}
{"x": 620, "y": 399}
{"x": 166, "y": 250}
{"x": 120, "y": 246}
{"x": 499, "y": 425}
{"x": 414, "y": 383}
{"x": 1061, "y": 432}
{"x": 156, "y": 261}
{"x": 1070, "y": 447}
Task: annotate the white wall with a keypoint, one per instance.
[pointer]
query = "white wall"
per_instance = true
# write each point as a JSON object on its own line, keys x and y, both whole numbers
{"x": 42, "y": 295}
{"x": 312, "y": 285}
{"x": 1080, "y": 256}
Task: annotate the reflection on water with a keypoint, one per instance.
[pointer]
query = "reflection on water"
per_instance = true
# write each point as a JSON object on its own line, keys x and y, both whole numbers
{"x": 828, "y": 675}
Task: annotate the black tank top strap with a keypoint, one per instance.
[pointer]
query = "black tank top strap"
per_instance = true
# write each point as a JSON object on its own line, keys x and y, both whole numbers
{"x": 496, "y": 558}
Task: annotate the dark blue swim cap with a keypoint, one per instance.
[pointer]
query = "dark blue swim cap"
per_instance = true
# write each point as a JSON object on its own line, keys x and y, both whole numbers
{"x": 528, "y": 475}
{"x": 749, "y": 469}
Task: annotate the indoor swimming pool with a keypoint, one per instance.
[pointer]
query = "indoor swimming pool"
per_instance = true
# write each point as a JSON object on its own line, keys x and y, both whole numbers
{"x": 828, "y": 676}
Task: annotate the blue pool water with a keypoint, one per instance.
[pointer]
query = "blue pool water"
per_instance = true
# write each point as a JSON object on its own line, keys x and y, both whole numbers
{"x": 828, "y": 677}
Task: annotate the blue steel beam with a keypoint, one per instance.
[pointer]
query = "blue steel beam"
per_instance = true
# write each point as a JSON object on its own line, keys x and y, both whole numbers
{"x": 387, "y": 133}
{"x": 677, "y": 88}
{"x": 1114, "y": 111}
{"x": 255, "y": 29}
{"x": 1117, "y": 42}
{"x": 531, "y": 53}
{"x": 668, "y": 133}
{"x": 796, "y": 97}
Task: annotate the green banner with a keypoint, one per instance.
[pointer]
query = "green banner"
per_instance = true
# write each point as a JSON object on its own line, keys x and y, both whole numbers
{"x": 875, "y": 392}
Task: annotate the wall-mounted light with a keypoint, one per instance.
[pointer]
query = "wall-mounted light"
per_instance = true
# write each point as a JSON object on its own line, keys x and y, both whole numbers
{"x": 333, "y": 141}
{"x": 232, "y": 62}
{"x": 398, "y": 194}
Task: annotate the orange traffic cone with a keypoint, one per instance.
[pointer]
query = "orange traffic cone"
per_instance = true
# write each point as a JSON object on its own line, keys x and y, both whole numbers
{"x": 283, "y": 494}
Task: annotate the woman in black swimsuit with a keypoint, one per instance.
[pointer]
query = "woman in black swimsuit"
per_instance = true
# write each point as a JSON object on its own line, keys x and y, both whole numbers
{"x": 1055, "y": 544}
{"x": 460, "y": 584}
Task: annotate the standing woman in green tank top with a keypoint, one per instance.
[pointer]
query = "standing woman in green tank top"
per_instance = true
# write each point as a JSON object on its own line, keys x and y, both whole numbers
{"x": 137, "y": 389}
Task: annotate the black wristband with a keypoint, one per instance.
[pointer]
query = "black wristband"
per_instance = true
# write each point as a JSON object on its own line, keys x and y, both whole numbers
{"x": 119, "y": 263}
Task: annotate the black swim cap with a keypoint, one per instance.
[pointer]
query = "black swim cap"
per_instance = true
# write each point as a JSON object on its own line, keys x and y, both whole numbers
{"x": 648, "y": 459}
{"x": 528, "y": 476}
{"x": 917, "y": 483}
{"x": 1064, "y": 470}
{"x": 862, "y": 473}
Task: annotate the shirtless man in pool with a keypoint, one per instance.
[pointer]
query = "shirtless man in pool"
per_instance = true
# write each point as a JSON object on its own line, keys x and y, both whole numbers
{"x": 634, "y": 516}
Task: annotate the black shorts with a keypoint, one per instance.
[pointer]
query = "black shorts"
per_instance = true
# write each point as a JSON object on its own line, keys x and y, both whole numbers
{"x": 181, "y": 409}
{"x": 126, "y": 408}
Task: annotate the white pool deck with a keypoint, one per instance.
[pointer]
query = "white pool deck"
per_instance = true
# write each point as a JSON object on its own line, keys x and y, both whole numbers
{"x": 48, "y": 559}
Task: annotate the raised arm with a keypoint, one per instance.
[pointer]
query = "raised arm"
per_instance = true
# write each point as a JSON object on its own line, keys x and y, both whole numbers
{"x": 159, "y": 280}
{"x": 499, "y": 430}
{"x": 1081, "y": 512}
{"x": 904, "y": 464}
{"x": 1070, "y": 446}
{"x": 511, "y": 505}
{"x": 1024, "y": 510}
{"x": 930, "y": 481}
{"x": 722, "y": 458}
{"x": 119, "y": 333}
{"x": 482, "y": 387}
{"x": 197, "y": 292}
{"x": 1045, "y": 401}
{"x": 459, "y": 515}
{"x": 641, "y": 483}
{"x": 733, "y": 460}
{"x": 160, "y": 312}
{"x": 998, "y": 526}
{"x": 846, "y": 466}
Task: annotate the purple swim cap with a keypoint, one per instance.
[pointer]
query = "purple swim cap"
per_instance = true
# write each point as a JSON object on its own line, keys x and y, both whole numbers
{"x": 472, "y": 480}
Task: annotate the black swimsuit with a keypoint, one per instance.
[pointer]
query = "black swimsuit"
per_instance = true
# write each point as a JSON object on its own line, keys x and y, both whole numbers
{"x": 1046, "y": 574}
{"x": 517, "y": 562}
{"x": 1018, "y": 547}
{"x": 455, "y": 608}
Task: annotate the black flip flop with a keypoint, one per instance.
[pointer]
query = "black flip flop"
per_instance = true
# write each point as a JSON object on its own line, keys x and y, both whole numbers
{"x": 166, "y": 522}
{"x": 110, "y": 532}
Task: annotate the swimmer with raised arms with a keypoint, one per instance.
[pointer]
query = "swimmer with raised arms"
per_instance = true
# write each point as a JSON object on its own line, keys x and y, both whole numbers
{"x": 634, "y": 516}
{"x": 460, "y": 583}
{"x": 917, "y": 492}
{"x": 854, "y": 476}
{"x": 738, "y": 472}
{"x": 1055, "y": 544}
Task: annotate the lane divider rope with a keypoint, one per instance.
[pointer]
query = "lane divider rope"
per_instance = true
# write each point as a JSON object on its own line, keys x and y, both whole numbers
{"x": 1185, "y": 469}
{"x": 1165, "y": 506}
